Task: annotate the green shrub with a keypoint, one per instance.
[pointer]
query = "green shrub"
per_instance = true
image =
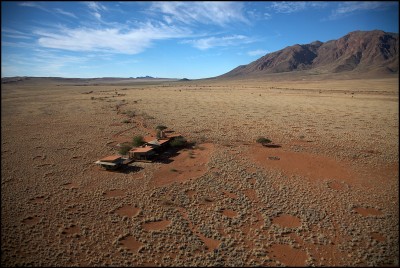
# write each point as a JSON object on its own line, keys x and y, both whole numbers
{"x": 130, "y": 113}
{"x": 161, "y": 127}
{"x": 137, "y": 141}
{"x": 263, "y": 140}
{"x": 124, "y": 149}
{"x": 178, "y": 142}
{"x": 126, "y": 121}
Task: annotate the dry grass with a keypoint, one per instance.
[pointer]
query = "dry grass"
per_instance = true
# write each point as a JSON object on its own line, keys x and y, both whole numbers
{"x": 59, "y": 209}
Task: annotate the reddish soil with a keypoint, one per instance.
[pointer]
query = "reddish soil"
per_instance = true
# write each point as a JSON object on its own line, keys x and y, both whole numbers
{"x": 229, "y": 213}
{"x": 377, "y": 236}
{"x": 186, "y": 165}
{"x": 71, "y": 230}
{"x": 131, "y": 243}
{"x": 114, "y": 193}
{"x": 229, "y": 194}
{"x": 31, "y": 220}
{"x": 315, "y": 167}
{"x": 251, "y": 194}
{"x": 286, "y": 220}
{"x": 127, "y": 211}
{"x": 156, "y": 225}
{"x": 367, "y": 211}
{"x": 337, "y": 185}
{"x": 288, "y": 255}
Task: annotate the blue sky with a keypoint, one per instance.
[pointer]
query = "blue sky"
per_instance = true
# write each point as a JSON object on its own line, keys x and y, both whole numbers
{"x": 169, "y": 39}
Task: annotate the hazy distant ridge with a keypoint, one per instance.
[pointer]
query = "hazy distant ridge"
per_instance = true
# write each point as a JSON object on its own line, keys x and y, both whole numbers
{"x": 374, "y": 52}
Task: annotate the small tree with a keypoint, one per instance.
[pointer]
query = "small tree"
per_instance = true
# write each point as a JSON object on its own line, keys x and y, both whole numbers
{"x": 159, "y": 136}
{"x": 124, "y": 149}
{"x": 178, "y": 142}
{"x": 263, "y": 140}
{"x": 138, "y": 141}
{"x": 161, "y": 127}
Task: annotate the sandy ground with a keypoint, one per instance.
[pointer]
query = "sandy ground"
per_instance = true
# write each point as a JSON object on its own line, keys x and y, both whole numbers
{"x": 328, "y": 195}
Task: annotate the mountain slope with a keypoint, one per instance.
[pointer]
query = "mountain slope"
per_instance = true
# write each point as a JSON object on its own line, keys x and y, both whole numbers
{"x": 357, "y": 52}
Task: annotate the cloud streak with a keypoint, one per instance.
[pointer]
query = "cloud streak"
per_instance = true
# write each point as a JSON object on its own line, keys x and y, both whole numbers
{"x": 112, "y": 40}
{"x": 292, "y": 7}
{"x": 257, "y": 52}
{"x": 347, "y": 8}
{"x": 211, "y": 42}
{"x": 217, "y": 13}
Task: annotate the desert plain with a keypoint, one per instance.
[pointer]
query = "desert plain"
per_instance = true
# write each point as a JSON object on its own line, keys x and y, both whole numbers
{"x": 326, "y": 195}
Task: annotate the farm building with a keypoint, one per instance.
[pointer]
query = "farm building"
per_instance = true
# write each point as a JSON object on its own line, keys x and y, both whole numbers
{"x": 142, "y": 153}
{"x": 110, "y": 162}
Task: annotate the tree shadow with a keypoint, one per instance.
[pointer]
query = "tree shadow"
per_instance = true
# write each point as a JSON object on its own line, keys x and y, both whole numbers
{"x": 125, "y": 169}
{"x": 272, "y": 145}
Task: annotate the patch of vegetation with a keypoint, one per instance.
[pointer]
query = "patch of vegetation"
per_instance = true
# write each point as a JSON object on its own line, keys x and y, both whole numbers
{"x": 263, "y": 140}
{"x": 130, "y": 113}
{"x": 124, "y": 149}
{"x": 137, "y": 141}
{"x": 161, "y": 127}
{"x": 179, "y": 142}
{"x": 126, "y": 121}
{"x": 173, "y": 170}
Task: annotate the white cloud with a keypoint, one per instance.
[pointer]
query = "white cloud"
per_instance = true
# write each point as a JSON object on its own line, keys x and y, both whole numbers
{"x": 96, "y": 8}
{"x": 267, "y": 16}
{"x": 218, "y": 13}
{"x": 292, "y": 7}
{"x": 347, "y": 8}
{"x": 8, "y": 32}
{"x": 28, "y": 4}
{"x": 257, "y": 52}
{"x": 210, "y": 42}
{"x": 288, "y": 7}
{"x": 63, "y": 12}
{"x": 112, "y": 40}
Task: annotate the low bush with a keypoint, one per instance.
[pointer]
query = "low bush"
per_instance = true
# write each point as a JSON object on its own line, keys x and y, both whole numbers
{"x": 263, "y": 140}
{"x": 178, "y": 142}
{"x": 124, "y": 149}
{"x": 137, "y": 141}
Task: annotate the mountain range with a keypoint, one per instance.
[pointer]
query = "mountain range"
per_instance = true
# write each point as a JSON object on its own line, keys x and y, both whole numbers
{"x": 359, "y": 52}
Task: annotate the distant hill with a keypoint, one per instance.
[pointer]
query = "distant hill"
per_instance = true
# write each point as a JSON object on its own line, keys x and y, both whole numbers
{"x": 375, "y": 52}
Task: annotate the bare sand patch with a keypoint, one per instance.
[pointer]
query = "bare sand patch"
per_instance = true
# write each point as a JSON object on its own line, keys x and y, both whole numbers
{"x": 114, "y": 193}
{"x": 31, "y": 220}
{"x": 367, "y": 211}
{"x": 131, "y": 243}
{"x": 251, "y": 194}
{"x": 38, "y": 200}
{"x": 287, "y": 220}
{"x": 378, "y": 236}
{"x": 73, "y": 229}
{"x": 71, "y": 185}
{"x": 156, "y": 225}
{"x": 190, "y": 193}
{"x": 127, "y": 210}
{"x": 312, "y": 166}
{"x": 229, "y": 213}
{"x": 335, "y": 185}
{"x": 184, "y": 166}
{"x": 230, "y": 194}
{"x": 288, "y": 255}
